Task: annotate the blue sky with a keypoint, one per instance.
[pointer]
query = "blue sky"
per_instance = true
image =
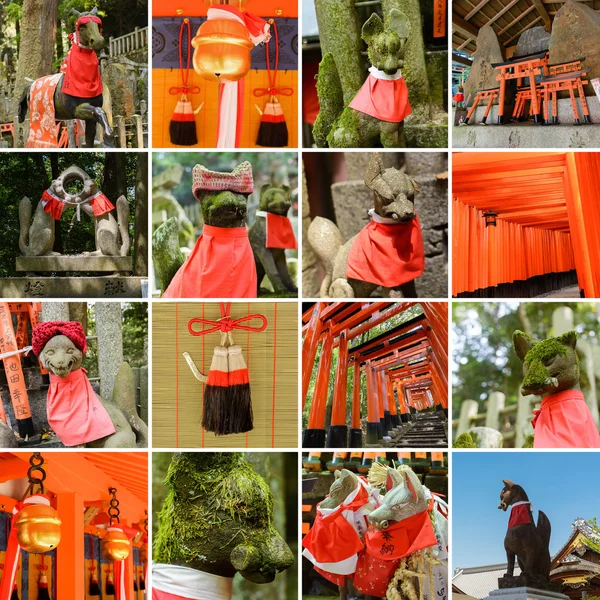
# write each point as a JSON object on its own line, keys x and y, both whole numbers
{"x": 564, "y": 485}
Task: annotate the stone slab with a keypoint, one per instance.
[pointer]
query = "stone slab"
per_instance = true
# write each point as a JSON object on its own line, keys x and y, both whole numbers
{"x": 525, "y": 593}
{"x": 565, "y": 112}
{"x": 71, "y": 287}
{"x": 523, "y": 135}
{"x": 61, "y": 264}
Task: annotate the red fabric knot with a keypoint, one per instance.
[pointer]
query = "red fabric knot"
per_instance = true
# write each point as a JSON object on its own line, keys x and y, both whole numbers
{"x": 536, "y": 414}
{"x": 226, "y": 324}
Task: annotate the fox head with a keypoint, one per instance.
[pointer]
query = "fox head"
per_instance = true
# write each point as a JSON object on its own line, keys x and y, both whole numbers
{"x": 344, "y": 484}
{"x": 394, "y": 191}
{"x": 549, "y": 366}
{"x": 386, "y": 41}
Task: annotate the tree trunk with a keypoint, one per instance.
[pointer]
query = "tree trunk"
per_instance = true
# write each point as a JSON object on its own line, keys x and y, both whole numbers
{"x": 58, "y": 241}
{"x": 38, "y": 35}
{"x": 140, "y": 238}
{"x": 60, "y": 50}
{"x": 115, "y": 180}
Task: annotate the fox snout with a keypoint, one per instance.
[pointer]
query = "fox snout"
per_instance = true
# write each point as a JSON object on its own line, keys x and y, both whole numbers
{"x": 402, "y": 210}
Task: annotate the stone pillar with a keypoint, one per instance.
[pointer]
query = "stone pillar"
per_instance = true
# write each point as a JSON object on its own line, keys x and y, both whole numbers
{"x": 310, "y": 276}
{"x": 339, "y": 33}
{"x": 415, "y": 68}
{"x": 495, "y": 405}
{"x": 144, "y": 393}
{"x": 78, "y": 312}
{"x": 110, "y": 344}
{"x": 562, "y": 320}
{"x": 55, "y": 311}
{"x": 523, "y": 426}
{"x": 468, "y": 410}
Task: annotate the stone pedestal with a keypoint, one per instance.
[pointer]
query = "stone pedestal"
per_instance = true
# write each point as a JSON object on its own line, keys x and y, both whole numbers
{"x": 72, "y": 264}
{"x": 525, "y": 593}
{"x": 71, "y": 287}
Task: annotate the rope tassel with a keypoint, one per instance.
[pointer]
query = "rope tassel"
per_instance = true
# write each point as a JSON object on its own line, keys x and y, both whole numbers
{"x": 239, "y": 392}
{"x": 217, "y": 413}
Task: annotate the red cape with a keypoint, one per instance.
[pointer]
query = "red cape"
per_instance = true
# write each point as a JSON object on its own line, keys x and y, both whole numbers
{"x": 385, "y": 549}
{"x": 221, "y": 265}
{"x": 74, "y": 411}
{"x": 387, "y": 255}
{"x": 331, "y": 538}
{"x": 384, "y": 99}
{"x": 82, "y": 73}
{"x": 519, "y": 515}
{"x": 280, "y": 233}
{"x": 565, "y": 421}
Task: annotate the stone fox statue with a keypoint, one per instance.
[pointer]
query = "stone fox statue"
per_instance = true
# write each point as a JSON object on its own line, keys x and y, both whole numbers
{"x": 217, "y": 519}
{"x": 271, "y": 234}
{"x": 36, "y": 237}
{"x": 75, "y": 412}
{"x": 551, "y": 369}
{"x": 388, "y": 252}
{"x": 377, "y": 112}
{"x": 527, "y": 542}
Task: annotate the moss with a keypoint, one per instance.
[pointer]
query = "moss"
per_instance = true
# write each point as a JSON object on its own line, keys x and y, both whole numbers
{"x": 430, "y": 135}
{"x": 217, "y": 208}
{"x": 437, "y": 67}
{"x": 464, "y": 440}
{"x": 166, "y": 253}
{"x": 215, "y": 503}
{"x": 528, "y": 442}
{"x": 345, "y": 131}
{"x": 331, "y": 101}
{"x": 536, "y": 359}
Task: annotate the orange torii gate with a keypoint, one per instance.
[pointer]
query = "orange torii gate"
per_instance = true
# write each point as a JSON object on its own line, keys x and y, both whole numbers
{"x": 417, "y": 349}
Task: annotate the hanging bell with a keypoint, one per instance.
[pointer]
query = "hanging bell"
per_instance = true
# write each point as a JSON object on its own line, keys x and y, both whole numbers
{"x": 222, "y": 50}
{"x": 38, "y": 526}
{"x": 115, "y": 544}
{"x": 144, "y": 553}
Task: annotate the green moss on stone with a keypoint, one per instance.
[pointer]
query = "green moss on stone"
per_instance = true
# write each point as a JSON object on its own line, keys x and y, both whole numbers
{"x": 464, "y": 440}
{"x": 216, "y": 208}
{"x": 437, "y": 68}
{"x": 166, "y": 252}
{"x": 536, "y": 359}
{"x": 431, "y": 135}
{"x": 331, "y": 101}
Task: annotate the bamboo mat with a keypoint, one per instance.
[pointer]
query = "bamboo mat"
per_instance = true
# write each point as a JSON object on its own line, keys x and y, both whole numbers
{"x": 272, "y": 358}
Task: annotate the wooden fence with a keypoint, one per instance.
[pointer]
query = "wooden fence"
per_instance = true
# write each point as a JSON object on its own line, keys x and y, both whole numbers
{"x": 136, "y": 41}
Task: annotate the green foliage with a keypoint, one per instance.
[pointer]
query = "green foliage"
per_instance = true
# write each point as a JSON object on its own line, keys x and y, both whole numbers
{"x": 484, "y": 359}
{"x": 528, "y": 441}
{"x": 29, "y": 174}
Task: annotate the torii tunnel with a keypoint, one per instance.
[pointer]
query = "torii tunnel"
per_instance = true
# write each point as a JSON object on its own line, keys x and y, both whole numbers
{"x": 525, "y": 223}
{"x": 405, "y": 369}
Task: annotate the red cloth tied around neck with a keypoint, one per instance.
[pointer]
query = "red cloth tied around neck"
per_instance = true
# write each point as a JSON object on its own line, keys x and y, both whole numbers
{"x": 221, "y": 265}
{"x": 387, "y": 255}
{"x": 52, "y": 204}
{"x": 160, "y": 595}
{"x": 13, "y": 550}
{"x": 332, "y": 538}
{"x": 386, "y": 548}
{"x": 384, "y": 99}
{"x": 519, "y": 515}
{"x": 74, "y": 411}
{"x": 82, "y": 72}
{"x": 100, "y": 204}
{"x": 565, "y": 421}
{"x": 280, "y": 233}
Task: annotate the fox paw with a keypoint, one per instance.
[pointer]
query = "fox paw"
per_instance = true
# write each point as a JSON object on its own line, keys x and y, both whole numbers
{"x": 340, "y": 288}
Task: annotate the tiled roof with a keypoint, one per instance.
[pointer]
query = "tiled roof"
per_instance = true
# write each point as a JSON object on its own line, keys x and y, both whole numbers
{"x": 480, "y": 581}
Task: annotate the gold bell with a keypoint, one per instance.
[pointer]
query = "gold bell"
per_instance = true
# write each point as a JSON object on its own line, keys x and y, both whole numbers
{"x": 115, "y": 545}
{"x": 38, "y": 528}
{"x": 222, "y": 50}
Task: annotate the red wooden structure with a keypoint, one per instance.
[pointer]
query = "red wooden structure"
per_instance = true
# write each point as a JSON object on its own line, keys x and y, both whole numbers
{"x": 548, "y": 218}
{"x": 405, "y": 369}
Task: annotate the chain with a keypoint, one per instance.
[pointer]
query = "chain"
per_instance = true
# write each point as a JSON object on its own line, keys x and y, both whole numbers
{"x": 36, "y": 462}
{"x": 113, "y": 511}
{"x": 146, "y": 522}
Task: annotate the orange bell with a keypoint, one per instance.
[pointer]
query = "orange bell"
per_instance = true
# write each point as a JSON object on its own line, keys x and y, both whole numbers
{"x": 222, "y": 50}
{"x": 38, "y": 528}
{"x": 115, "y": 544}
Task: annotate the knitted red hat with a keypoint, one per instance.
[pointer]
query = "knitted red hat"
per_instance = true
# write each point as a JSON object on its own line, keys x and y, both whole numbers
{"x": 239, "y": 180}
{"x": 43, "y": 332}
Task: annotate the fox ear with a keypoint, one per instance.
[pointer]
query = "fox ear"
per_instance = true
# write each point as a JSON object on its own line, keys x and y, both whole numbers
{"x": 374, "y": 169}
{"x": 509, "y": 484}
{"x": 393, "y": 479}
{"x": 373, "y": 27}
{"x": 568, "y": 339}
{"x": 398, "y": 22}
{"x": 337, "y": 475}
{"x": 523, "y": 343}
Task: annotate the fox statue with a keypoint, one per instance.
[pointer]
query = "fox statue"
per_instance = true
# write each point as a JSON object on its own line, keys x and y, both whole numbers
{"x": 388, "y": 252}
{"x": 551, "y": 369}
{"x": 377, "y": 112}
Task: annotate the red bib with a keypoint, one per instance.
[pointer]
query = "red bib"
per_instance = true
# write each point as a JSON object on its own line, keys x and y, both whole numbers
{"x": 280, "y": 233}
{"x": 74, "y": 411}
{"x": 384, "y": 99}
{"x": 519, "y": 515}
{"x": 565, "y": 421}
{"x": 387, "y": 255}
{"x": 386, "y": 548}
{"x": 221, "y": 265}
{"x": 82, "y": 72}
{"x": 158, "y": 595}
{"x": 331, "y": 538}
{"x": 52, "y": 204}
